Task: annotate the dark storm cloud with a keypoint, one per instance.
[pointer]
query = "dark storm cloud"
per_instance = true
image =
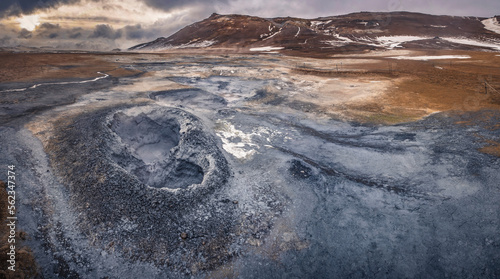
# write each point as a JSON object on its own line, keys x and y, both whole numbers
{"x": 8, "y": 36}
{"x": 313, "y": 8}
{"x": 6, "y": 41}
{"x": 137, "y": 32}
{"x": 75, "y": 33}
{"x": 16, "y": 7}
{"x": 48, "y": 31}
{"x": 89, "y": 19}
{"x": 105, "y": 31}
{"x": 169, "y": 4}
{"x": 319, "y": 8}
{"x": 24, "y": 34}
{"x": 48, "y": 26}
{"x": 485, "y": 8}
{"x": 134, "y": 32}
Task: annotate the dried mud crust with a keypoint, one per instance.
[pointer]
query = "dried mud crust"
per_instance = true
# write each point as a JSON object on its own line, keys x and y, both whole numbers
{"x": 134, "y": 203}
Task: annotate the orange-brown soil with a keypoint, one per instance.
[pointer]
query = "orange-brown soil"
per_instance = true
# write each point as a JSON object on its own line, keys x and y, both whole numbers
{"x": 493, "y": 148}
{"x": 444, "y": 85}
{"x": 413, "y": 89}
{"x": 34, "y": 67}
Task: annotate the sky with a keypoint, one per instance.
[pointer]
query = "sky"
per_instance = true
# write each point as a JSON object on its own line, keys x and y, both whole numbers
{"x": 110, "y": 24}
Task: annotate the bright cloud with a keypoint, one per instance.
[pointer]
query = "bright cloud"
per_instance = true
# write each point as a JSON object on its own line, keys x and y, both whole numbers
{"x": 29, "y": 22}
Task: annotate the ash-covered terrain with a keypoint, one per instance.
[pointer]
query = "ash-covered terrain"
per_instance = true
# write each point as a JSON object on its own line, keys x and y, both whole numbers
{"x": 209, "y": 166}
{"x": 380, "y": 164}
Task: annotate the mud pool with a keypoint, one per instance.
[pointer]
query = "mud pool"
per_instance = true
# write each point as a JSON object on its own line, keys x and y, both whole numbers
{"x": 209, "y": 167}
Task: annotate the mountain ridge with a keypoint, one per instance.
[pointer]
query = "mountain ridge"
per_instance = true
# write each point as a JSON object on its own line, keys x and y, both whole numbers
{"x": 360, "y": 31}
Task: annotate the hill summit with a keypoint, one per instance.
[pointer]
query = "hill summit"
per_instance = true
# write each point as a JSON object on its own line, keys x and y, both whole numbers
{"x": 352, "y": 32}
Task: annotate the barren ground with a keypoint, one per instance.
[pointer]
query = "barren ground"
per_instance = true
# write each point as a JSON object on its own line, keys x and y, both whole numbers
{"x": 250, "y": 165}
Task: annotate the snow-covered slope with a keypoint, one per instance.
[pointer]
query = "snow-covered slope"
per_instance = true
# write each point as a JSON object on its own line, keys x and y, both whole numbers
{"x": 492, "y": 24}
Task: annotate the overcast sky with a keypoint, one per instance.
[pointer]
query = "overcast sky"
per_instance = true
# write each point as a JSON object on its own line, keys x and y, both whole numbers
{"x": 107, "y": 24}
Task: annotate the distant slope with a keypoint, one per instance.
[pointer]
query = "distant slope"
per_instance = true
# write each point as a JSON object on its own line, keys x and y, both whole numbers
{"x": 352, "y": 32}
{"x": 492, "y": 24}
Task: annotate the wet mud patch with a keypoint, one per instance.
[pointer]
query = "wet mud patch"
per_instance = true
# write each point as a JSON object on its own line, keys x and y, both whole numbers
{"x": 147, "y": 151}
{"x": 148, "y": 139}
{"x": 232, "y": 89}
{"x": 189, "y": 97}
{"x": 404, "y": 136}
{"x": 265, "y": 97}
{"x": 299, "y": 170}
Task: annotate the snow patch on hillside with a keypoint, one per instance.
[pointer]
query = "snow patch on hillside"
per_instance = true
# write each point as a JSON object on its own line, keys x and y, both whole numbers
{"x": 465, "y": 41}
{"x": 392, "y": 42}
{"x": 297, "y": 32}
{"x": 341, "y": 41}
{"x": 492, "y": 24}
{"x": 272, "y": 35}
{"x": 345, "y": 39}
{"x": 396, "y": 41}
{"x": 425, "y": 58}
{"x": 198, "y": 44}
{"x": 317, "y": 23}
{"x": 266, "y": 48}
{"x": 191, "y": 44}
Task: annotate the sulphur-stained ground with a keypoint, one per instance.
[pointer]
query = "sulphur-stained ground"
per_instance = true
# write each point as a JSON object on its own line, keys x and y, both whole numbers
{"x": 214, "y": 165}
